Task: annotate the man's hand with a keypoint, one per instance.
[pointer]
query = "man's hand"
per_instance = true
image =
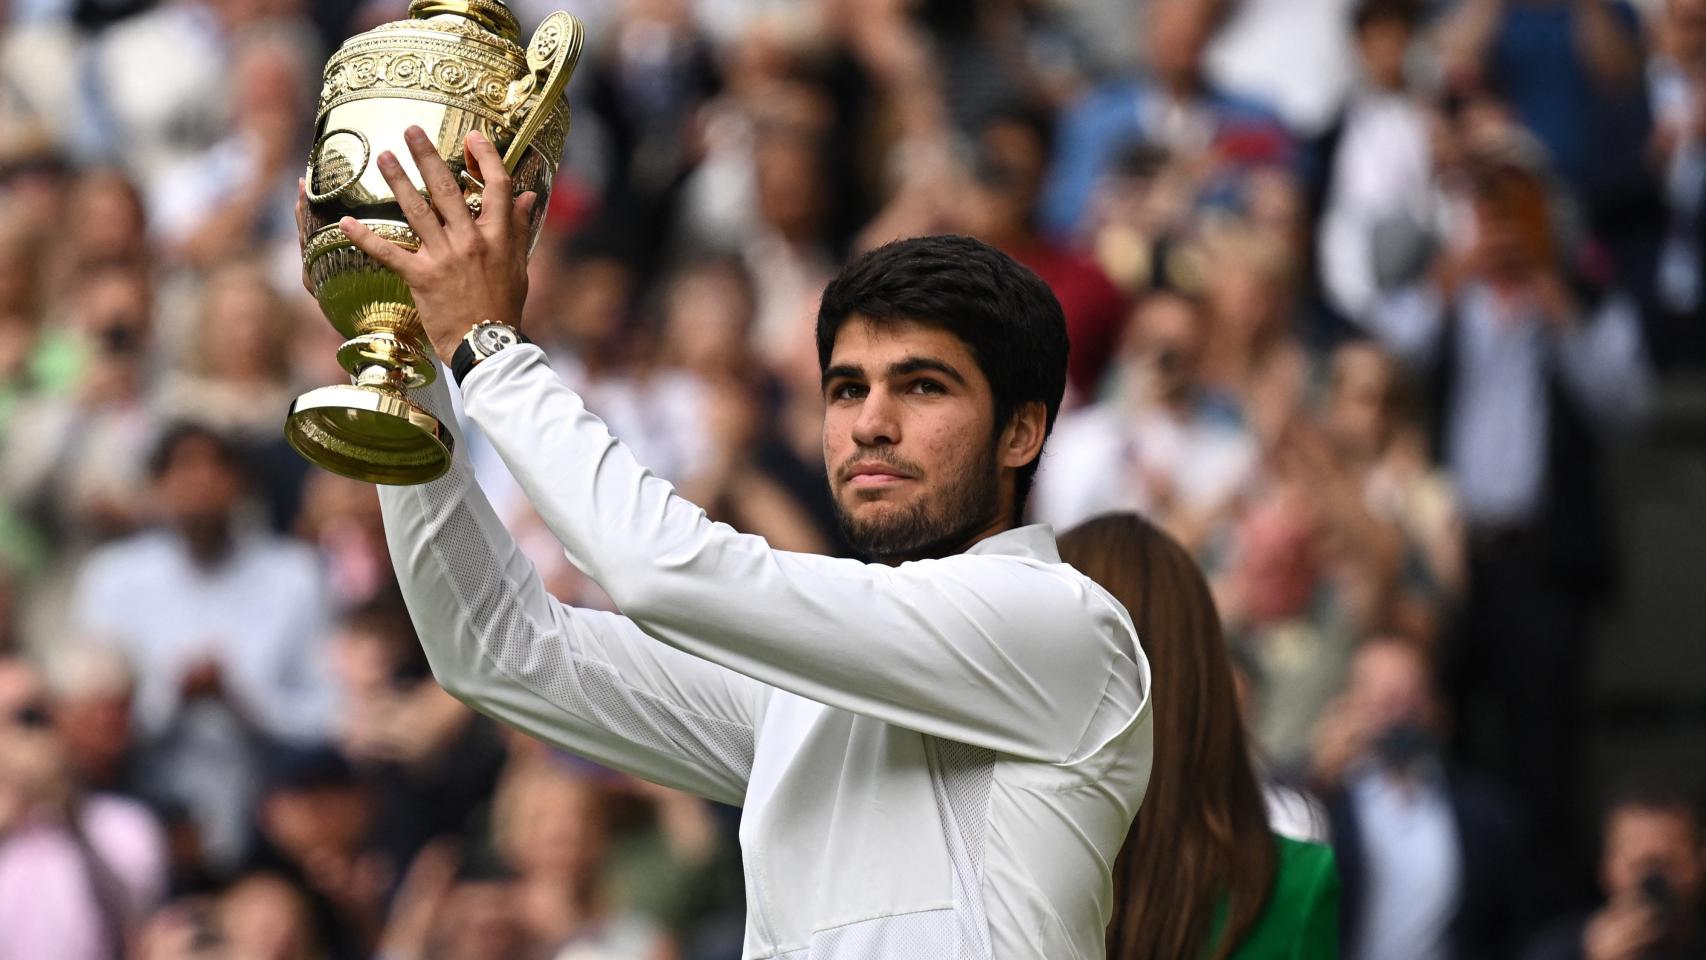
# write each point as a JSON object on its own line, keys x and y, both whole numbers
{"x": 467, "y": 271}
{"x": 1623, "y": 930}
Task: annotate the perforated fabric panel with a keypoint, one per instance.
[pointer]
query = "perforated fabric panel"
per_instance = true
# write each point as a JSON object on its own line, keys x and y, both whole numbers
{"x": 554, "y": 665}
{"x": 964, "y": 776}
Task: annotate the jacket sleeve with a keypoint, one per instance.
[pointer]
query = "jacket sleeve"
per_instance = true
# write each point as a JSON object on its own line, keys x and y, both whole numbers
{"x": 1017, "y": 655}
{"x": 588, "y": 681}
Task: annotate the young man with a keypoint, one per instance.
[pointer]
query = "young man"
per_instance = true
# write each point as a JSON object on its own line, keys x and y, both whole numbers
{"x": 937, "y": 758}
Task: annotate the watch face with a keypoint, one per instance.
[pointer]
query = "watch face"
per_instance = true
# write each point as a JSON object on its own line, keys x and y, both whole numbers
{"x": 491, "y": 339}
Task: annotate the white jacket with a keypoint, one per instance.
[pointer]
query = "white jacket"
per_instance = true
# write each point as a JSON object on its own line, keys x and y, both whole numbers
{"x": 936, "y": 761}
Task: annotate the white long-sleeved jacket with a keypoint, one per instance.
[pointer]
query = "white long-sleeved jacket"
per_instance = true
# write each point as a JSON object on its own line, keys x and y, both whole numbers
{"x": 936, "y": 761}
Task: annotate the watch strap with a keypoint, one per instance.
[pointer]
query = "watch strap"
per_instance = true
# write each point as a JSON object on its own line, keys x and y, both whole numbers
{"x": 466, "y": 358}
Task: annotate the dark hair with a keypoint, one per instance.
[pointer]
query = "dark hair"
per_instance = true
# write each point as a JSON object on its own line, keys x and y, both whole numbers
{"x": 1005, "y": 314}
{"x": 1370, "y": 12}
{"x": 1202, "y": 833}
{"x": 1655, "y": 795}
{"x": 177, "y": 435}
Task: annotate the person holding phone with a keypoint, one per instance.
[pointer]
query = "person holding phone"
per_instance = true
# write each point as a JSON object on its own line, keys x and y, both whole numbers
{"x": 1652, "y": 871}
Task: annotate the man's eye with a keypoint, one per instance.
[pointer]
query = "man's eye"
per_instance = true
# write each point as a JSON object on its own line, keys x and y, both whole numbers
{"x": 847, "y": 391}
{"x": 927, "y": 387}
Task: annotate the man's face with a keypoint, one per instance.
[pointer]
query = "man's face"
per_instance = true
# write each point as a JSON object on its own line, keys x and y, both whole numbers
{"x": 1164, "y": 347}
{"x": 1357, "y": 417}
{"x": 198, "y": 488}
{"x": 909, "y": 439}
{"x": 1383, "y": 44}
{"x": 1640, "y": 841}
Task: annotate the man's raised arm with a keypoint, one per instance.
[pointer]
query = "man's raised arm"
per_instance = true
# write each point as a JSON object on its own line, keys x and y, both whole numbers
{"x": 586, "y": 680}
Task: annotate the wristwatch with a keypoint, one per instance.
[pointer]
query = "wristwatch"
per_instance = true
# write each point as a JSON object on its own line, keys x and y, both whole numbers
{"x": 480, "y": 342}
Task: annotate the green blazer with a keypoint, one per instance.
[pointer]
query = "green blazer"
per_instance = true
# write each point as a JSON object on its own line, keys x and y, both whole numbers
{"x": 1301, "y": 920}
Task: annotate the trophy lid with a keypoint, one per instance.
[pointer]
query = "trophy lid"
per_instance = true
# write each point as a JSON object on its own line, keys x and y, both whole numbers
{"x": 491, "y": 14}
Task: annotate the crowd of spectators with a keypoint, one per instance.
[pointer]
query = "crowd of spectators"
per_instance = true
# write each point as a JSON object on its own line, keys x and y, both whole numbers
{"x": 1359, "y": 292}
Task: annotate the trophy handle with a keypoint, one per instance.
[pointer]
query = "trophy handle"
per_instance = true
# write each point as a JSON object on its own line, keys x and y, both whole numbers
{"x": 551, "y": 59}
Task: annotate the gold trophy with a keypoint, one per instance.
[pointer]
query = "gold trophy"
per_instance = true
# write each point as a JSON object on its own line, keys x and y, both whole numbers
{"x": 452, "y": 67}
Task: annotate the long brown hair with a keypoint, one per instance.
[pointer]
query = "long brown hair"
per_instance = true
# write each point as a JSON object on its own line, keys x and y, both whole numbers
{"x": 1202, "y": 832}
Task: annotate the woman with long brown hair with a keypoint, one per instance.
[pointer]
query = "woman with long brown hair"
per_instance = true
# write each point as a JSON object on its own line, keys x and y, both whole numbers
{"x": 1201, "y": 873}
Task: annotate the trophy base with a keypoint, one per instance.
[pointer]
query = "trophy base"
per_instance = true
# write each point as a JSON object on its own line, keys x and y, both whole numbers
{"x": 369, "y": 433}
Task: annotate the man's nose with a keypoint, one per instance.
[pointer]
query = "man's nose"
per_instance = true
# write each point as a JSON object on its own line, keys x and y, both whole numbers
{"x": 877, "y": 424}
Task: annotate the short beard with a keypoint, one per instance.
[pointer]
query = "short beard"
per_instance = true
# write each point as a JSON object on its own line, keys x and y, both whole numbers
{"x": 934, "y": 526}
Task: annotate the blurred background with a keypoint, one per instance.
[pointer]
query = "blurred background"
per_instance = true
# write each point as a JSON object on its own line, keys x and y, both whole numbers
{"x": 1393, "y": 311}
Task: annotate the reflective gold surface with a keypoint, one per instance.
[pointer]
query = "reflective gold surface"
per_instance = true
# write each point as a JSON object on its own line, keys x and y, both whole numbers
{"x": 452, "y": 67}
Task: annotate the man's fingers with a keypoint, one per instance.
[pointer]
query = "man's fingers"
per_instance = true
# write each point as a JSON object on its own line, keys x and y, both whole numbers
{"x": 389, "y": 255}
{"x": 415, "y": 209}
{"x": 435, "y": 173}
{"x": 483, "y": 158}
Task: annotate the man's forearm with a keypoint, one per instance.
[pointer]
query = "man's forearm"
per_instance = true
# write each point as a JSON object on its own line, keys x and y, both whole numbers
{"x": 585, "y": 680}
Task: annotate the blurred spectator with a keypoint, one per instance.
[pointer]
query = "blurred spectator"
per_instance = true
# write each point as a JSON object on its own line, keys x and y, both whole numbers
{"x": 1294, "y": 613}
{"x": 1164, "y": 444}
{"x": 430, "y": 761}
{"x": 340, "y": 518}
{"x": 1566, "y": 66}
{"x": 93, "y": 698}
{"x": 316, "y": 817}
{"x": 224, "y": 625}
{"x": 549, "y": 826}
{"x": 1429, "y": 855}
{"x": 240, "y": 193}
{"x": 261, "y": 916}
{"x": 105, "y": 222}
{"x": 1007, "y": 182}
{"x": 78, "y": 870}
{"x": 237, "y": 379}
{"x": 77, "y": 471}
{"x": 1370, "y": 426}
{"x": 1528, "y": 365}
{"x": 656, "y": 70}
{"x": 751, "y": 478}
{"x": 1254, "y": 353}
{"x": 1175, "y": 107}
{"x": 1652, "y": 871}
{"x": 1378, "y": 165}
{"x": 156, "y": 88}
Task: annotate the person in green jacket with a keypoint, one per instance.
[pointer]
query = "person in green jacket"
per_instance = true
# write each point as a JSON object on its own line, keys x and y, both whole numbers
{"x": 1201, "y": 875}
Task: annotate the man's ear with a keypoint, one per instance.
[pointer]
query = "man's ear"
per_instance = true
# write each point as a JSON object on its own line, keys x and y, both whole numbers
{"x": 1022, "y": 440}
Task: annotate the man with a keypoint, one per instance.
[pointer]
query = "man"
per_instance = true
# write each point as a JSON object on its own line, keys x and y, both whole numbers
{"x": 1653, "y": 871}
{"x": 225, "y": 628}
{"x": 937, "y": 758}
{"x": 1428, "y": 856}
{"x": 1531, "y": 368}
{"x": 1001, "y": 210}
{"x": 1164, "y": 444}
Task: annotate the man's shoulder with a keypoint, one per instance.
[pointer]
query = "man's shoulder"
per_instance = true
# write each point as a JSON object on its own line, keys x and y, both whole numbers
{"x": 139, "y": 556}
{"x": 289, "y": 561}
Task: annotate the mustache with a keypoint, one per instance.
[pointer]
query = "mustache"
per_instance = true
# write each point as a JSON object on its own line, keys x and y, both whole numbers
{"x": 845, "y": 472}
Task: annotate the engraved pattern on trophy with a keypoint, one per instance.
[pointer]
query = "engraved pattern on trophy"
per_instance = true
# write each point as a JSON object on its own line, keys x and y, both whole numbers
{"x": 452, "y": 67}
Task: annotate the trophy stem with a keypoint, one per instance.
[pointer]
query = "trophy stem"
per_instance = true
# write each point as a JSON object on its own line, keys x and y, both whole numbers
{"x": 369, "y": 429}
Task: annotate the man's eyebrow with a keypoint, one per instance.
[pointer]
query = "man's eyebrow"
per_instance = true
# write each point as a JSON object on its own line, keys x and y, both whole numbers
{"x": 913, "y": 365}
{"x": 843, "y": 371}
